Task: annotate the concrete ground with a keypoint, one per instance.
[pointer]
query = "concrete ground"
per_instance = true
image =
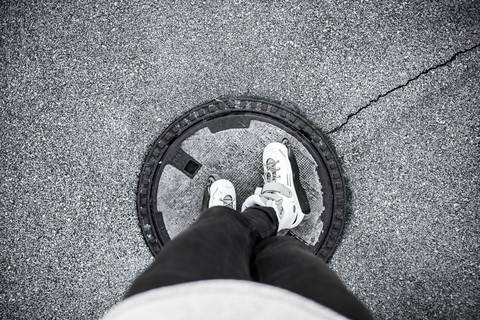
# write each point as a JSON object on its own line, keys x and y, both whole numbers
{"x": 87, "y": 85}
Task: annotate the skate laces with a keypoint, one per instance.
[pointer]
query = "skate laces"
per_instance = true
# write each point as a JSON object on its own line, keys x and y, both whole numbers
{"x": 227, "y": 201}
{"x": 271, "y": 170}
{"x": 273, "y": 191}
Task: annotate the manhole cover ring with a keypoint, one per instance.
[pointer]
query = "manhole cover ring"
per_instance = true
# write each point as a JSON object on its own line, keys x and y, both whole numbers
{"x": 243, "y": 109}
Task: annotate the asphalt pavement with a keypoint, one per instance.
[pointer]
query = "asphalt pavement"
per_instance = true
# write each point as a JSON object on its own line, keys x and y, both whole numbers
{"x": 86, "y": 86}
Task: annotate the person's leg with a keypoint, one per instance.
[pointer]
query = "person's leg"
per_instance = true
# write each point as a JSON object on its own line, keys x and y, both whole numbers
{"x": 286, "y": 263}
{"x": 218, "y": 245}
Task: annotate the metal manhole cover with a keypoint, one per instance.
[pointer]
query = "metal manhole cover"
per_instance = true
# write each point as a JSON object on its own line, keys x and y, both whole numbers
{"x": 227, "y": 137}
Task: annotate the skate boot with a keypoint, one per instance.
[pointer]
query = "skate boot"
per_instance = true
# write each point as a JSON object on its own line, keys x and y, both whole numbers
{"x": 282, "y": 190}
{"x": 219, "y": 192}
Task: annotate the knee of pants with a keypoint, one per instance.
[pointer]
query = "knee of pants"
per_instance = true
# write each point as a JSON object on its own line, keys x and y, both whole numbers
{"x": 282, "y": 245}
{"x": 286, "y": 255}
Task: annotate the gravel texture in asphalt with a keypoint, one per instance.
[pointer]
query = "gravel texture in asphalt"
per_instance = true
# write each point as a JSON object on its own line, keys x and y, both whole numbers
{"x": 86, "y": 86}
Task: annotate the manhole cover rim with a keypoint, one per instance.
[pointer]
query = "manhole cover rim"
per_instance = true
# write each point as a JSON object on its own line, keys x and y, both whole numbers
{"x": 151, "y": 221}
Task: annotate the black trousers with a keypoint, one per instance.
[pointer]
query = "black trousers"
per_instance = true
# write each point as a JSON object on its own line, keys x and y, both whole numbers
{"x": 226, "y": 244}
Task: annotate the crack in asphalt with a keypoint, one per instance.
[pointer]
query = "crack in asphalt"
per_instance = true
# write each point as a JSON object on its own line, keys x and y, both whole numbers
{"x": 452, "y": 58}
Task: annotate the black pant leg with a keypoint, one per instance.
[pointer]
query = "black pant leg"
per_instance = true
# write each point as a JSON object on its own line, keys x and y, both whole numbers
{"x": 286, "y": 263}
{"x": 218, "y": 245}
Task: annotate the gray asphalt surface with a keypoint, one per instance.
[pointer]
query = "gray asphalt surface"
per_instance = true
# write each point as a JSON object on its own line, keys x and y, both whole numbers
{"x": 86, "y": 86}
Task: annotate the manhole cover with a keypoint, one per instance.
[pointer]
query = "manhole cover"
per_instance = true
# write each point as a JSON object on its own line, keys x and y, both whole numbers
{"x": 227, "y": 137}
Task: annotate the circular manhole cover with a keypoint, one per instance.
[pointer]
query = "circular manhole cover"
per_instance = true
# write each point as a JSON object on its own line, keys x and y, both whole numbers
{"x": 227, "y": 137}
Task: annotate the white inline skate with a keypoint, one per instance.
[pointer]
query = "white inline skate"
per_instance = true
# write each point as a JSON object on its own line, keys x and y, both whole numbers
{"x": 282, "y": 189}
{"x": 219, "y": 192}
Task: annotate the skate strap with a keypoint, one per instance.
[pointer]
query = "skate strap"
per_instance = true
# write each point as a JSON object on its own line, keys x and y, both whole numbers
{"x": 277, "y": 187}
{"x": 272, "y": 196}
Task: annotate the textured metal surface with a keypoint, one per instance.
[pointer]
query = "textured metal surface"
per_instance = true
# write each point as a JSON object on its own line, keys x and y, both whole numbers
{"x": 236, "y": 155}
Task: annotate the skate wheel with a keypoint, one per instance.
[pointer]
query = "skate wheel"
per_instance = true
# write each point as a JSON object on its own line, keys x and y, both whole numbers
{"x": 286, "y": 142}
{"x": 212, "y": 178}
